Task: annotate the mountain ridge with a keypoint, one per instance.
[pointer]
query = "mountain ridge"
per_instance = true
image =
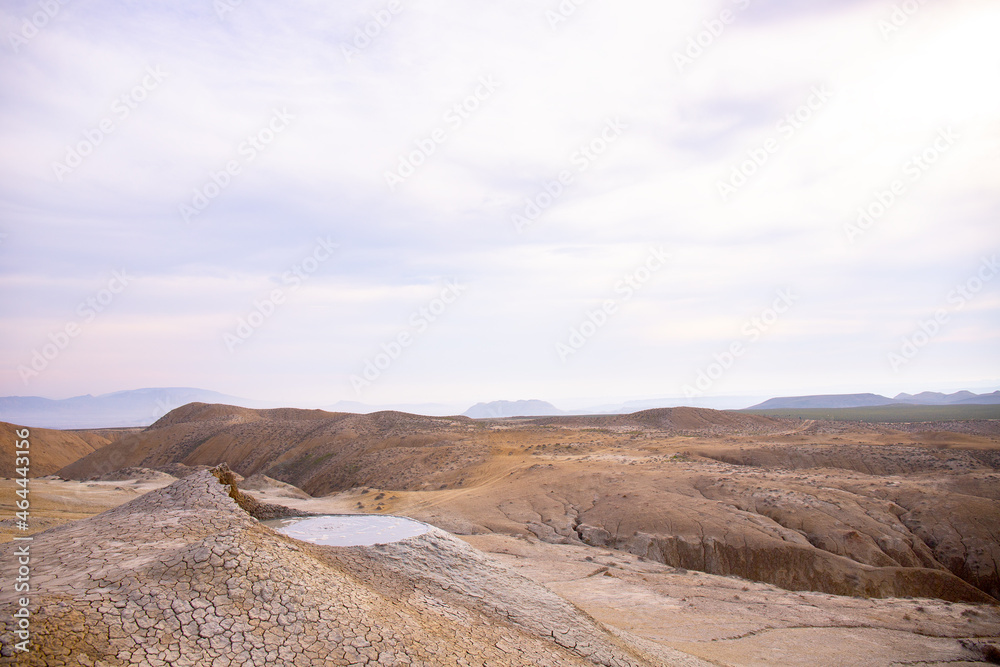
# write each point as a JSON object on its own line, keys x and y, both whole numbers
{"x": 863, "y": 400}
{"x": 503, "y": 409}
{"x": 142, "y": 407}
{"x": 119, "y": 409}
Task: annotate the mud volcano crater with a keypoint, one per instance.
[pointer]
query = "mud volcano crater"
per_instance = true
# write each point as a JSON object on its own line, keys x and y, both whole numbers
{"x": 349, "y": 530}
{"x": 185, "y": 575}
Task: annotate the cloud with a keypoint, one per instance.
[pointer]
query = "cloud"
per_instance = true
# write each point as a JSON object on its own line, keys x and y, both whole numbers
{"x": 488, "y": 107}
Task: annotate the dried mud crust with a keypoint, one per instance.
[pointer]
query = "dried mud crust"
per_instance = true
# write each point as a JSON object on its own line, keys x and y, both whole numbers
{"x": 252, "y": 506}
{"x": 183, "y": 576}
{"x": 839, "y": 507}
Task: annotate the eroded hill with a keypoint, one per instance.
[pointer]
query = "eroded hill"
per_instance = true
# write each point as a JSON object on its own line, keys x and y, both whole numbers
{"x": 49, "y": 450}
{"x": 854, "y": 509}
{"x": 184, "y": 576}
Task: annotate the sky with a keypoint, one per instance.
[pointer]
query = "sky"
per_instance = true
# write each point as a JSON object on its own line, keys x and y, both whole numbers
{"x": 433, "y": 200}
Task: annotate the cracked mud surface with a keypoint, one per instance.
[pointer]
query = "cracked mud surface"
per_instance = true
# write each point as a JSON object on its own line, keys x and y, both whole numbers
{"x": 674, "y": 616}
{"x": 730, "y": 621}
{"x": 183, "y": 576}
{"x": 843, "y": 508}
{"x": 795, "y": 514}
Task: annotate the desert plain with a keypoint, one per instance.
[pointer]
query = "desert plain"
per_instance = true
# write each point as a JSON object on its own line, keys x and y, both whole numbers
{"x": 674, "y": 536}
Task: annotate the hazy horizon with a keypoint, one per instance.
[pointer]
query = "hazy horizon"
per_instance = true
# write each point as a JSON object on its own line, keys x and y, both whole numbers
{"x": 432, "y": 202}
{"x": 565, "y": 403}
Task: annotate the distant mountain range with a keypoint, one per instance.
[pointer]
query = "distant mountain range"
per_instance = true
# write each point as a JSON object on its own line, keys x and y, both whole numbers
{"x": 538, "y": 408}
{"x": 136, "y": 407}
{"x": 871, "y": 400}
{"x": 142, "y": 407}
{"x": 501, "y": 409}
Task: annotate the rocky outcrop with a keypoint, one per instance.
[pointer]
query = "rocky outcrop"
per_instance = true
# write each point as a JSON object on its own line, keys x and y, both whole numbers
{"x": 790, "y": 566}
{"x": 249, "y": 504}
{"x": 837, "y": 507}
{"x": 184, "y": 576}
{"x": 946, "y": 522}
{"x": 877, "y": 538}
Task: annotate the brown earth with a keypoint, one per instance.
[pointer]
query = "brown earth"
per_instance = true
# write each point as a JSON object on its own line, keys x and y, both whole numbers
{"x": 316, "y": 451}
{"x": 670, "y": 613}
{"x": 184, "y": 576}
{"x": 49, "y": 450}
{"x": 731, "y": 621}
{"x": 855, "y": 509}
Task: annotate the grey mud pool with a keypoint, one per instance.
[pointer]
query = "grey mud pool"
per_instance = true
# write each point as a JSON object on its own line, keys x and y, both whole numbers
{"x": 349, "y": 530}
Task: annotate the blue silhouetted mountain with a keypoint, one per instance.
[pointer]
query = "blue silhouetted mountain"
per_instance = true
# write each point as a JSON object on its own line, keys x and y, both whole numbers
{"x": 137, "y": 407}
{"x": 871, "y": 400}
{"x": 501, "y": 409}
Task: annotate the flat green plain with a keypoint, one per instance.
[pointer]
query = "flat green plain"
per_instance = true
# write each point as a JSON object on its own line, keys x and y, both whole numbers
{"x": 888, "y": 413}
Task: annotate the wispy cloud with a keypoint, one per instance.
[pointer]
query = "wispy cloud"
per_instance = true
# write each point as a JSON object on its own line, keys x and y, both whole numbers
{"x": 353, "y": 118}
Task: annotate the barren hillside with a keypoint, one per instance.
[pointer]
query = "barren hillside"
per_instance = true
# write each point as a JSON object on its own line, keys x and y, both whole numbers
{"x": 314, "y": 450}
{"x": 49, "y": 450}
{"x": 183, "y": 576}
{"x": 836, "y": 507}
{"x": 323, "y": 451}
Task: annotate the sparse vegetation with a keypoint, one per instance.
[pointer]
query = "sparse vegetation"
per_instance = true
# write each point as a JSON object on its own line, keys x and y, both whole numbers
{"x": 986, "y": 651}
{"x": 729, "y": 497}
{"x": 888, "y": 414}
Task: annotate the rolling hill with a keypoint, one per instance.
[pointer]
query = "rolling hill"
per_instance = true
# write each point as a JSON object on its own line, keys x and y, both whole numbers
{"x": 322, "y": 451}
{"x": 844, "y": 508}
{"x": 49, "y": 450}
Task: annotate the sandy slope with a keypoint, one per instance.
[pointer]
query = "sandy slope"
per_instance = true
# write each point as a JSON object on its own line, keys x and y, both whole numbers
{"x": 726, "y": 620}
{"x": 841, "y": 508}
{"x": 49, "y": 449}
{"x": 183, "y": 576}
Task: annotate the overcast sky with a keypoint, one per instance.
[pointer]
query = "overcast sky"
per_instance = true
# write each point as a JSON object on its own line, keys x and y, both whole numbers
{"x": 434, "y": 200}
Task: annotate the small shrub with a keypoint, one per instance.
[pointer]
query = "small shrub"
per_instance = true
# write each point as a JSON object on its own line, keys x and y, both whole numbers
{"x": 988, "y": 652}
